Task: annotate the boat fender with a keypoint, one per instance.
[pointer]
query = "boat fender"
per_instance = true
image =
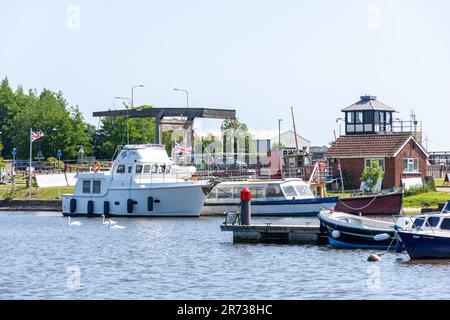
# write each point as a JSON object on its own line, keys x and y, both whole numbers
{"x": 90, "y": 207}
{"x": 106, "y": 208}
{"x": 336, "y": 234}
{"x": 130, "y": 204}
{"x": 73, "y": 205}
{"x": 398, "y": 247}
{"x": 381, "y": 237}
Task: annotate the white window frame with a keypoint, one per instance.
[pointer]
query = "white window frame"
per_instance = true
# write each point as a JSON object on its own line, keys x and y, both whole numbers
{"x": 415, "y": 163}
{"x": 381, "y": 161}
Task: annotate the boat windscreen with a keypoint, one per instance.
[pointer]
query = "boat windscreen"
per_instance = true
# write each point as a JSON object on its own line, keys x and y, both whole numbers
{"x": 304, "y": 190}
{"x": 289, "y": 191}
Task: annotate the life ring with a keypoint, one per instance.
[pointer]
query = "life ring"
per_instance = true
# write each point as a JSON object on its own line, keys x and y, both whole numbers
{"x": 96, "y": 167}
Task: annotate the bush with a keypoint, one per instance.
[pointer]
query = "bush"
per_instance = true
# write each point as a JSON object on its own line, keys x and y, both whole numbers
{"x": 52, "y": 161}
{"x": 428, "y": 187}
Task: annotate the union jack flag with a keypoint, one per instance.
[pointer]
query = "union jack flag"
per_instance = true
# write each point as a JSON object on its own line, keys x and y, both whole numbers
{"x": 36, "y": 135}
{"x": 179, "y": 148}
{"x": 188, "y": 150}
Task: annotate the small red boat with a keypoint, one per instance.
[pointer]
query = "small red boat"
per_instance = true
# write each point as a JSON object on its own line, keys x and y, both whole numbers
{"x": 376, "y": 204}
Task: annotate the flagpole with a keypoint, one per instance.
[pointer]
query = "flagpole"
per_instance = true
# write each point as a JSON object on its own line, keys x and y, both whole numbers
{"x": 31, "y": 152}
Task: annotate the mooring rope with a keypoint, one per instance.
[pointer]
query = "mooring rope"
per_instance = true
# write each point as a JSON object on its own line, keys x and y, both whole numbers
{"x": 364, "y": 207}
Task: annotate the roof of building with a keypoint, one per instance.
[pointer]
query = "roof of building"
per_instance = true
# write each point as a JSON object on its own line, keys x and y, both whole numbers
{"x": 288, "y": 139}
{"x": 368, "y": 103}
{"x": 359, "y": 146}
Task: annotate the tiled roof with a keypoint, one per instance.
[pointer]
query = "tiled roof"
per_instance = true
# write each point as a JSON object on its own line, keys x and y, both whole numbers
{"x": 374, "y": 145}
{"x": 368, "y": 103}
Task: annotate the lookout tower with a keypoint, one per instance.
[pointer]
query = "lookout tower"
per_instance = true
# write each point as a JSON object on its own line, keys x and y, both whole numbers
{"x": 368, "y": 116}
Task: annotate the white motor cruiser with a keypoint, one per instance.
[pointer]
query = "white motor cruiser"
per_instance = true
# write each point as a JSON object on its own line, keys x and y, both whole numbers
{"x": 141, "y": 183}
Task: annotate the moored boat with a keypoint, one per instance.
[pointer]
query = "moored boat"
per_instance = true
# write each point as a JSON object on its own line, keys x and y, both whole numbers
{"x": 349, "y": 231}
{"x": 289, "y": 198}
{"x": 141, "y": 183}
{"x": 429, "y": 236}
{"x": 389, "y": 203}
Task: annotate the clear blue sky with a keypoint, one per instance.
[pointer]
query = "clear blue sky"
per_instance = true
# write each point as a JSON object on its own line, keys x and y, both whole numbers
{"x": 259, "y": 57}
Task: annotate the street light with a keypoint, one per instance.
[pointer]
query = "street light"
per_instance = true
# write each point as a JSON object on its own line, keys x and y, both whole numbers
{"x": 123, "y": 98}
{"x": 187, "y": 96}
{"x": 337, "y": 120}
{"x": 132, "y": 92}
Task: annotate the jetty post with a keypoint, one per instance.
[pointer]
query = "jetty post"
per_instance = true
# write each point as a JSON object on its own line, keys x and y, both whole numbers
{"x": 246, "y": 207}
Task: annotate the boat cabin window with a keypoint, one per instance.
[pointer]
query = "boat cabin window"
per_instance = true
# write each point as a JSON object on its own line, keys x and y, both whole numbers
{"x": 86, "y": 186}
{"x": 257, "y": 193}
{"x": 147, "y": 168}
{"x": 168, "y": 169}
{"x": 418, "y": 222}
{"x": 139, "y": 168}
{"x": 432, "y": 222}
{"x": 289, "y": 191}
{"x": 162, "y": 168}
{"x": 120, "y": 169}
{"x": 130, "y": 169}
{"x": 224, "y": 193}
{"x": 273, "y": 191}
{"x": 445, "y": 224}
{"x": 212, "y": 194}
{"x": 96, "y": 186}
{"x": 154, "y": 168}
{"x": 304, "y": 190}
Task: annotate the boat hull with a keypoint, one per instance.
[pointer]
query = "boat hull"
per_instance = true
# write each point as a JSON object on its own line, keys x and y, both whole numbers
{"x": 282, "y": 208}
{"x": 175, "y": 201}
{"x": 425, "y": 246}
{"x": 355, "y": 237}
{"x": 386, "y": 204}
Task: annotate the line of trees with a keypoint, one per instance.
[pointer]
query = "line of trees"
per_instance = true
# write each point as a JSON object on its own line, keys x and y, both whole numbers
{"x": 64, "y": 127}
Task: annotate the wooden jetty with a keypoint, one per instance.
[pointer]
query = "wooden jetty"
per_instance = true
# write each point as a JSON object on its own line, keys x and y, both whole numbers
{"x": 280, "y": 234}
{"x": 245, "y": 232}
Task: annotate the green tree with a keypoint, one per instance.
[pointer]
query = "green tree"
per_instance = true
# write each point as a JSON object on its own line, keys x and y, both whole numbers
{"x": 63, "y": 126}
{"x": 371, "y": 174}
{"x": 113, "y": 133}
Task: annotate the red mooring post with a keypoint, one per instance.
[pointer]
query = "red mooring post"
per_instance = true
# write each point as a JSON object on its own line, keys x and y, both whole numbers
{"x": 246, "y": 207}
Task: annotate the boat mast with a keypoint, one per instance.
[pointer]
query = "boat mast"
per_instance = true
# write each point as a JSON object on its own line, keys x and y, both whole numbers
{"x": 295, "y": 130}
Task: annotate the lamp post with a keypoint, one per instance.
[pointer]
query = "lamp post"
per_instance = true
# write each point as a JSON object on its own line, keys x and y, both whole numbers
{"x": 187, "y": 96}
{"x": 279, "y": 134}
{"x": 132, "y": 105}
{"x": 187, "y": 107}
{"x": 132, "y": 93}
{"x": 337, "y": 120}
{"x": 130, "y": 102}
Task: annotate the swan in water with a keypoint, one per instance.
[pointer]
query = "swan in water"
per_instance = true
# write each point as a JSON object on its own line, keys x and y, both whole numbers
{"x": 107, "y": 222}
{"x": 115, "y": 226}
{"x": 74, "y": 223}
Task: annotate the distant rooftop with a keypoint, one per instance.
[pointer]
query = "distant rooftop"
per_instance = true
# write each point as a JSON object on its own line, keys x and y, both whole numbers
{"x": 368, "y": 103}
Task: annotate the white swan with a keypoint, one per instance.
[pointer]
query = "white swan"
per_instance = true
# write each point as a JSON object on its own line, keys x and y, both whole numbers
{"x": 116, "y": 226}
{"x": 107, "y": 222}
{"x": 74, "y": 223}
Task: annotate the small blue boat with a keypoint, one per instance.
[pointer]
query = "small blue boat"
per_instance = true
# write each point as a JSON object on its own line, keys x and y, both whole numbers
{"x": 429, "y": 236}
{"x": 356, "y": 232}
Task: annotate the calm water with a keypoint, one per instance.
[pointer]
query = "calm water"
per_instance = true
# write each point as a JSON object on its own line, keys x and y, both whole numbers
{"x": 44, "y": 258}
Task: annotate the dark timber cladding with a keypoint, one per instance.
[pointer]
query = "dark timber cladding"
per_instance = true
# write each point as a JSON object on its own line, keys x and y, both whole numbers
{"x": 160, "y": 113}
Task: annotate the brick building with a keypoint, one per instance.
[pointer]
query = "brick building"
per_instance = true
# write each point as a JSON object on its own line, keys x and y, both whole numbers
{"x": 371, "y": 135}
